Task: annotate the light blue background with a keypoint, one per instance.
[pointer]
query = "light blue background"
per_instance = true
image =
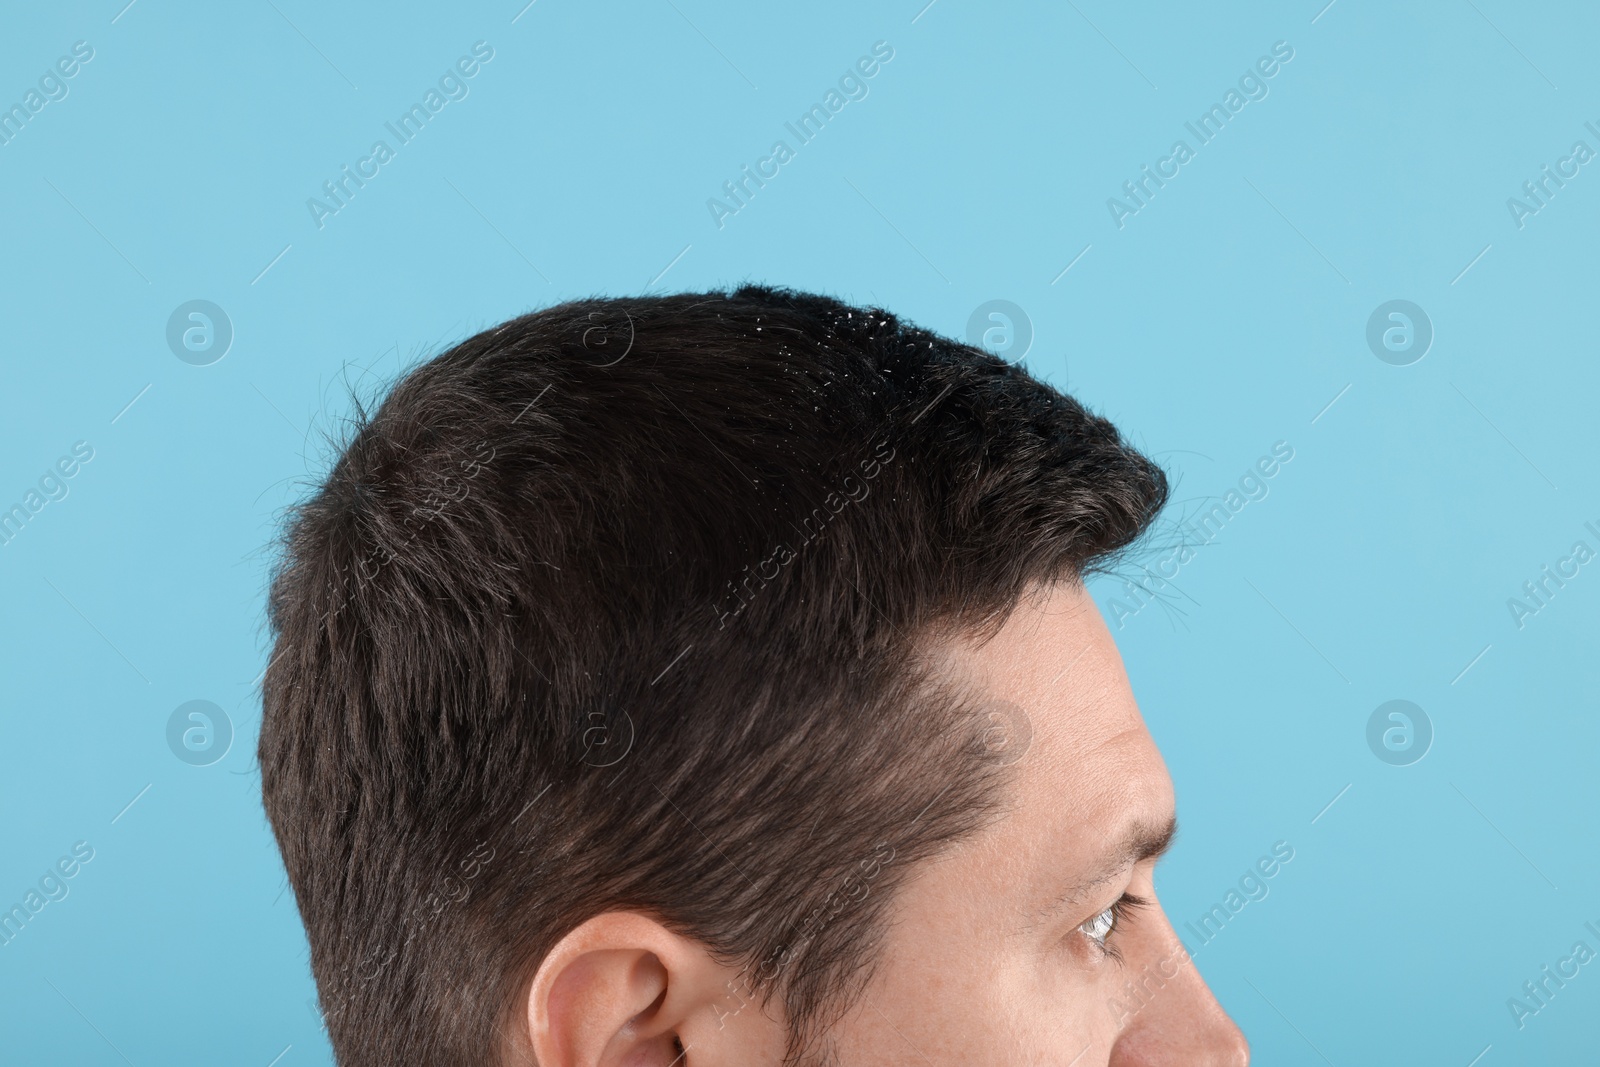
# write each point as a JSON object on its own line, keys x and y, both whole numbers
{"x": 1224, "y": 316}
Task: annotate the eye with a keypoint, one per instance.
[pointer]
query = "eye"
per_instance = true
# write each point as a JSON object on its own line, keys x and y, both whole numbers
{"x": 1100, "y": 928}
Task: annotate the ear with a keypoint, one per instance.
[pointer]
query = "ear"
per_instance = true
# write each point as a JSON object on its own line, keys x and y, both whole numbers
{"x": 622, "y": 990}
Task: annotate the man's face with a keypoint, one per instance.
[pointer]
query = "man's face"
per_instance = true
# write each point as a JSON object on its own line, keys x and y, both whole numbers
{"x": 1037, "y": 941}
{"x": 997, "y": 950}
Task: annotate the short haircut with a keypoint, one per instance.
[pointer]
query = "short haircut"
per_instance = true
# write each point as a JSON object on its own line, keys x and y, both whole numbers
{"x": 625, "y": 604}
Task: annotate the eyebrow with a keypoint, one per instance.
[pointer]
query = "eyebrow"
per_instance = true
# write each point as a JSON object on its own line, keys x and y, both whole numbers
{"x": 1143, "y": 841}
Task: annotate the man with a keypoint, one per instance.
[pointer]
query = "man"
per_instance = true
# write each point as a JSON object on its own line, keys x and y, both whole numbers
{"x": 708, "y": 679}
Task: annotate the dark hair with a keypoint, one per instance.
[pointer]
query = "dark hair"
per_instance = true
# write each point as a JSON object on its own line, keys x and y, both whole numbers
{"x": 627, "y": 603}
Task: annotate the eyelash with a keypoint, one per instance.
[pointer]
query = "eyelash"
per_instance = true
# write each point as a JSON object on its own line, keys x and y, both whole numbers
{"x": 1114, "y": 916}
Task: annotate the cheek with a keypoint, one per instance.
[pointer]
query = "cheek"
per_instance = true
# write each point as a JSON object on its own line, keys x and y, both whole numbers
{"x": 999, "y": 1014}
{"x": 1074, "y": 1012}
{"x": 1046, "y": 999}
{"x": 926, "y": 1002}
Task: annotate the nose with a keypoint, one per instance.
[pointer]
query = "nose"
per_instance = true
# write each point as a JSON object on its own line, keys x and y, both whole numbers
{"x": 1177, "y": 1020}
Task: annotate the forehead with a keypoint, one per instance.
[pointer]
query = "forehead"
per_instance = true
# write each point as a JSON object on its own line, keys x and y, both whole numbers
{"x": 971, "y": 958}
{"x": 1090, "y": 771}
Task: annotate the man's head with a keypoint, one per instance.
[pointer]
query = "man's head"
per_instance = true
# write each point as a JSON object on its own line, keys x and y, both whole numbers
{"x": 709, "y": 677}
